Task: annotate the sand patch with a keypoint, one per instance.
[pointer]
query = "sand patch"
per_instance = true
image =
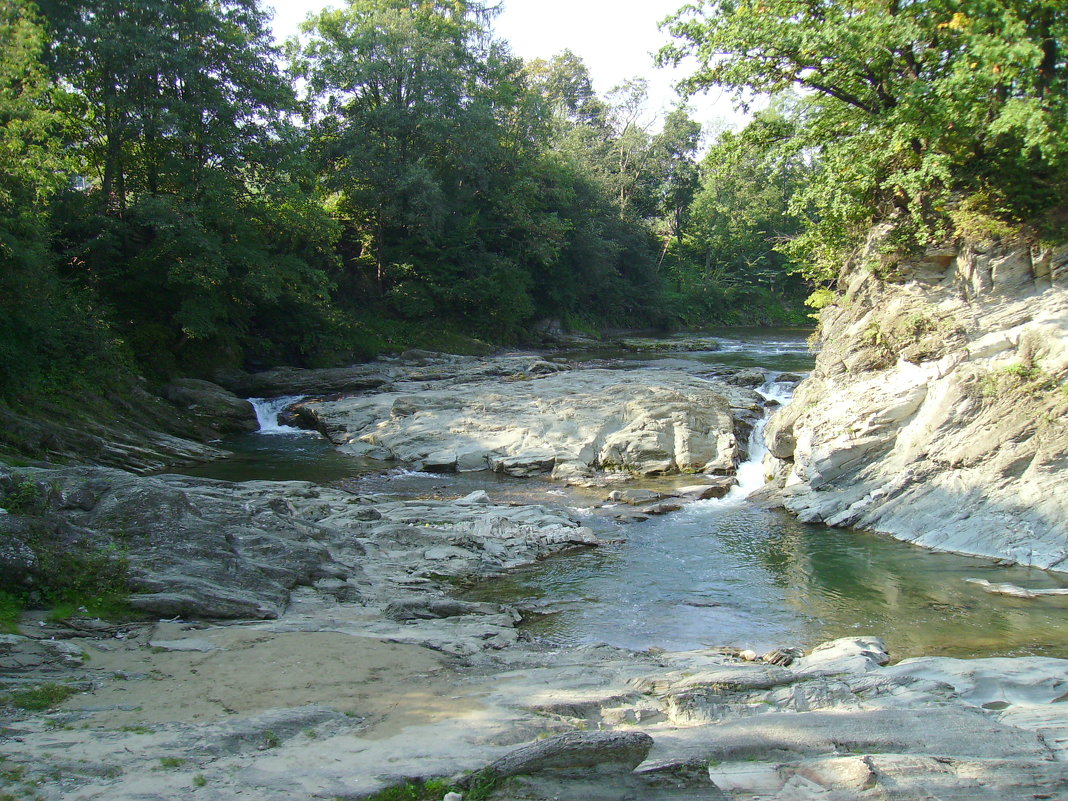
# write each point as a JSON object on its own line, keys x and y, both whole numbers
{"x": 254, "y": 670}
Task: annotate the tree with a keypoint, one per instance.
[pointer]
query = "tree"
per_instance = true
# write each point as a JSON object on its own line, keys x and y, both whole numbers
{"x": 674, "y": 151}
{"x": 49, "y": 333}
{"x": 907, "y": 103}
{"x": 186, "y": 155}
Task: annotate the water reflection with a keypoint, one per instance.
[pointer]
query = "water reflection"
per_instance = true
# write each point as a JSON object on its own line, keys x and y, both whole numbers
{"x": 756, "y": 578}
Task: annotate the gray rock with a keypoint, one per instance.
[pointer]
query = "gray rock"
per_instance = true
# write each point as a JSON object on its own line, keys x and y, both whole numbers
{"x": 19, "y": 654}
{"x": 198, "y": 644}
{"x": 600, "y": 752}
{"x": 634, "y": 497}
{"x": 280, "y": 381}
{"x": 431, "y": 608}
{"x": 747, "y": 377}
{"x": 193, "y": 547}
{"x": 216, "y": 406}
{"x": 662, "y": 508}
{"x": 919, "y": 419}
{"x": 645, "y": 421}
{"x": 704, "y": 492}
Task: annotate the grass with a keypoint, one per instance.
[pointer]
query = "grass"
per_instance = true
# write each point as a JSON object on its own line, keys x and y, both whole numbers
{"x": 200, "y": 780}
{"x": 479, "y": 787}
{"x": 11, "y": 607}
{"x": 42, "y": 697}
{"x": 429, "y": 790}
{"x": 24, "y": 499}
{"x": 170, "y": 763}
{"x": 1016, "y": 378}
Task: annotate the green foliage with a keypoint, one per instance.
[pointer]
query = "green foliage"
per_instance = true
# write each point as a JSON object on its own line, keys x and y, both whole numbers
{"x": 42, "y": 697}
{"x": 11, "y": 606}
{"x": 25, "y": 498}
{"x": 200, "y": 780}
{"x": 725, "y": 266}
{"x": 455, "y": 210}
{"x": 981, "y": 219}
{"x": 821, "y": 299}
{"x": 163, "y": 212}
{"x": 429, "y": 790}
{"x": 50, "y": 333}
{"x": 171, "y": 763}
{"x": 906, "y": 105}
{"x": 1017, "y": 380}
{"x": 477, "y": 787}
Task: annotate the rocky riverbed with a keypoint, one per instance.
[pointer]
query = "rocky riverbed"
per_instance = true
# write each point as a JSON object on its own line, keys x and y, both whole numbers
{"x": 299, "y": 641}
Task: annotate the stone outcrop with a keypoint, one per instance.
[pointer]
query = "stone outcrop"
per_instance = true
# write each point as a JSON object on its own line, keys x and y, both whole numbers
{"x": 280, "y": 381}
{"x": 214, "y": 549}
{"x": 564, "y": 422}
{"x": 218, "y": 407}
{"x": 592, "y": 722}
{"x": 937, "y": 409}
{"x": 130, "y": 429}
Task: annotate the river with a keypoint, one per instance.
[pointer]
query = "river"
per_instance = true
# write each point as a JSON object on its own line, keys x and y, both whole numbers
{"x": 716, "y": 573}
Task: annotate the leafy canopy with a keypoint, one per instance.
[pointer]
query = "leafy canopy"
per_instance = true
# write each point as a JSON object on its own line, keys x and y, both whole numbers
{"x": 907, "y": 103}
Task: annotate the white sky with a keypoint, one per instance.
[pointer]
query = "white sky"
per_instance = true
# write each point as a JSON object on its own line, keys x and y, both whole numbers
{"x": 616, "y": 40}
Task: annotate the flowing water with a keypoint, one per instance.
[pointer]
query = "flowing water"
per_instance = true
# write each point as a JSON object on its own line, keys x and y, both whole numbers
{"x": 722, "y": 572}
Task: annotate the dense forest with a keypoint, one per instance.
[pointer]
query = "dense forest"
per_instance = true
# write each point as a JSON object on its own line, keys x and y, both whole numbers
{"x": 178, "y": 194}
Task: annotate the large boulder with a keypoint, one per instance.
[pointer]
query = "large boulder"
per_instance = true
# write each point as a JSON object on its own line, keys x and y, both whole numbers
{"x": 183, "y": 546}
{"x": 215, "y": 406}
{"x": 280, "y": 381}
{"x": 645, "y": 421}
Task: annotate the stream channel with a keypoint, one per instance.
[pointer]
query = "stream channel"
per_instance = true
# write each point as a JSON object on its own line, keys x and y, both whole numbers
{"x": 716, "y": 573}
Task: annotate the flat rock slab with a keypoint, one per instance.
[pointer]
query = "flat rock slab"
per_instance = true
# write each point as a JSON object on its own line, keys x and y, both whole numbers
{"x": 781, "y": 736}
{"x": 645, "y": 421}
{"x": 577, "y": 751}
{"x": 191, "y": 644}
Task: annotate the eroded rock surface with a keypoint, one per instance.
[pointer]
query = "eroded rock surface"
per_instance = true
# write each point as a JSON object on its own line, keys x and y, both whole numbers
{"x": 215, "y": 549}
{"x": 218, "y": 407}
{"x": 590, "y": 722}
{"x": 567, "y": 422}
{"x": 937, "y": 411}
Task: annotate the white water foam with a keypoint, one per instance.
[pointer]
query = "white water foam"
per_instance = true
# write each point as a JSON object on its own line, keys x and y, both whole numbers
{"x": 750, "y": 473}
{"x": 267, "y": 410}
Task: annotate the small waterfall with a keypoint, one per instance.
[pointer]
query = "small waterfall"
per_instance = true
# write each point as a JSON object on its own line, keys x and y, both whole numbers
{"x": 267, "y": 410}
{"x": 750, "y": 473}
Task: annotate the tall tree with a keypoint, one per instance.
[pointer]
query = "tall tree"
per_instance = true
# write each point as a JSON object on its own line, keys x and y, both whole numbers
{"x": 49, "y": 333}
{"x": 183, "y": 107}
{"x": 675, "y": 152}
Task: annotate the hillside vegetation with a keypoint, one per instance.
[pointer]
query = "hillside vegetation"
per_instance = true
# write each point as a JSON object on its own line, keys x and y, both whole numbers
{"x": 177, "y": 194}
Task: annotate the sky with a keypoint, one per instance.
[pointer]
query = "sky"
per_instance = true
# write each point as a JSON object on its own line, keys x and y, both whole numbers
{"x": 616, "y": 40}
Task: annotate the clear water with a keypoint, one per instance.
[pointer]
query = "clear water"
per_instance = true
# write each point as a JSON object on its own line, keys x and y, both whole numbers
{"x": 718, "y": 572}
{"x": 733, "y": 574}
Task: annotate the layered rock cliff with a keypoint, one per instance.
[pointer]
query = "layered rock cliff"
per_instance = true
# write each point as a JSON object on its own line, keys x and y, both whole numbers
{"x": 938, "y": 408}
